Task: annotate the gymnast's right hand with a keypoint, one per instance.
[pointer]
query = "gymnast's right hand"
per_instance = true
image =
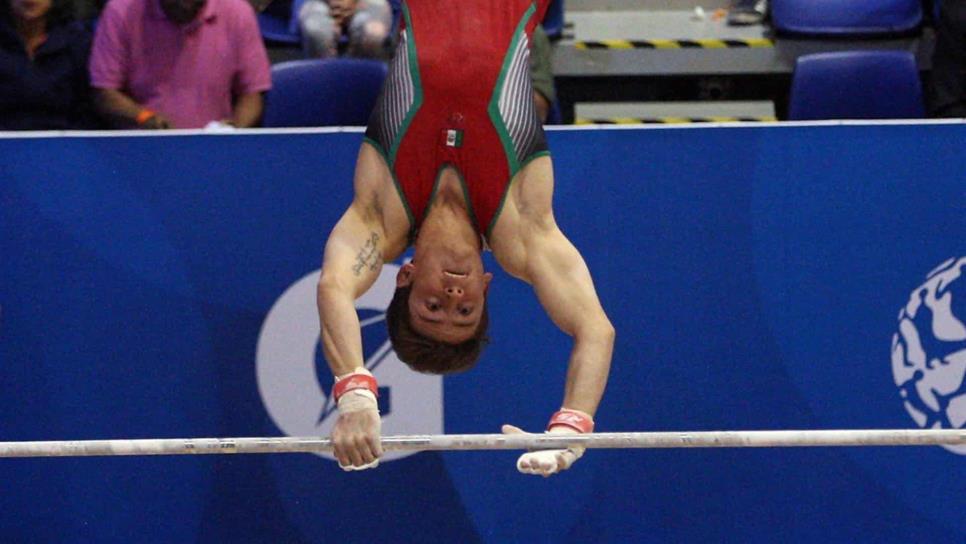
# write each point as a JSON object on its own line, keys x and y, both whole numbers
{"x": 356, "y": 435}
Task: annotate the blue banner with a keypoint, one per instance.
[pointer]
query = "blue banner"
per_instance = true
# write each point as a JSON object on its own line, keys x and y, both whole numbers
{"x": 768, "y": 277}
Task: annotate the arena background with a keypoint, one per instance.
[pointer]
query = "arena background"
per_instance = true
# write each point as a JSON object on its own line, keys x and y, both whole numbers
{"x": 754, "y": 275}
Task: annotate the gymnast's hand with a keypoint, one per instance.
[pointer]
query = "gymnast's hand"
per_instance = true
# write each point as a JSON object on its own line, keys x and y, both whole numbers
{"x": 546, "y": 462}
{"x": 356, "y": 435}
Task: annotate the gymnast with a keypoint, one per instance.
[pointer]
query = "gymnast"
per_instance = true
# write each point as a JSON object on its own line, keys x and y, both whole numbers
{"x": 454, "y": 162}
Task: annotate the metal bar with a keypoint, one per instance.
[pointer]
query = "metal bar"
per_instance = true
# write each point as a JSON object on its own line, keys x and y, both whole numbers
{"x": 701, "y": 439}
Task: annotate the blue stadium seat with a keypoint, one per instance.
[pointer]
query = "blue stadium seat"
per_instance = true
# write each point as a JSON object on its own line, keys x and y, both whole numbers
{"x": 293, "y": 20}
{"x": 846, "y": 17}
{"x": 555, "y": 115}
{"x": 277, "y": 30}
{"x": 314, "y": 93}
{"x": 396, "y": 6}
{"x": 277, "y": 23}
{"x": 553, "y": 20}
{"x": 856, "y": 85}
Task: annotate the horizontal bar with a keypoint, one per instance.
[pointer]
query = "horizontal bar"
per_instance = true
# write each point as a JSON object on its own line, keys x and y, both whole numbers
{"x": 701, "y": 439}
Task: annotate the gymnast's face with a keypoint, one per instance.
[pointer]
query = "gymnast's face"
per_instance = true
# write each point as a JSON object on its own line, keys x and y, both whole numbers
{"x": 447, "y": 295}
{"x": 182, "y": 11}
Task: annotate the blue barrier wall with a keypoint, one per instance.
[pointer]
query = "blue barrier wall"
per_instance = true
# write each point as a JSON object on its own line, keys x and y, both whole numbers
{"x": 155, "y": 286}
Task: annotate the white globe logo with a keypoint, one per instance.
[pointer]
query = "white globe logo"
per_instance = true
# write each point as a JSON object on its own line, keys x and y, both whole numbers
{"x": 929, "y": 351}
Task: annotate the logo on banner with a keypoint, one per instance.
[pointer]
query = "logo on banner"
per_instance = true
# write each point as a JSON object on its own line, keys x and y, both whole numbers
{"x": 929, "y": 350}
{"x": 295, "y": 383}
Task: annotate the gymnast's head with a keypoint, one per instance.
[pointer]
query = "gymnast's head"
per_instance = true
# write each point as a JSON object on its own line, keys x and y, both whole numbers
{"x": 438, "y": 316}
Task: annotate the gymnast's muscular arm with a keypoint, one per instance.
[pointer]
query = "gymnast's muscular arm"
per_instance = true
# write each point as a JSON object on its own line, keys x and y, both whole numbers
{"x": 354, "y": 254}
{"x": 369, "y": 233}
{"x": 532, "y": 248}
{"x": 352, "y": 261}
{"x": 351, "y": 264}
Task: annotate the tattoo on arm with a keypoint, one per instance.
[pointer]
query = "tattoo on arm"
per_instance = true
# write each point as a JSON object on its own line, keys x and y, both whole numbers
{"x": 369, "y": 255}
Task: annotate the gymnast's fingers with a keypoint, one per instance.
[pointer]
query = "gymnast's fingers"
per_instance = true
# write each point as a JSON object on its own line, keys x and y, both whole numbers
{"x": 510, "y": 429}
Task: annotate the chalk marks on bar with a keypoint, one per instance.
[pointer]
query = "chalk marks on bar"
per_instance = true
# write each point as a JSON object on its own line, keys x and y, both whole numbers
{"x": 700, "y": 439}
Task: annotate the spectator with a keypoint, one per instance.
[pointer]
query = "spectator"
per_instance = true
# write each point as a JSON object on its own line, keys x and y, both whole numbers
{"x": 541, "y": 71}
{"x": 43, "y": 67}
{"x": 179, "y": 63}
{"x": 363, "y": 26}
{"x": 948, "y": 80}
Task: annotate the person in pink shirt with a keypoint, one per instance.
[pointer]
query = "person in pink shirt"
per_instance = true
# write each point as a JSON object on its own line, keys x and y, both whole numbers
{"x": 179, "y": 64}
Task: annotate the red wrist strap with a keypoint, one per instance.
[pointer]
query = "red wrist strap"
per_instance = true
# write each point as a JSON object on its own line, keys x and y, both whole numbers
{"x": 354, "y": 381}
{"x": 143, "y": 116}
{"x": 578, "y": 421}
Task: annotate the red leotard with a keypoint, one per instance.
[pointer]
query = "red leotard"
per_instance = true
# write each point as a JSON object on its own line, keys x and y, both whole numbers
{"x": 459, "y": 94}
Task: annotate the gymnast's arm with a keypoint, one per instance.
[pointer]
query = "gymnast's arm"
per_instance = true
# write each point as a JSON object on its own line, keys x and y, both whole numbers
{"x": 565, "y": 289}
{"x": 365, "y": 237}
{"x": 529, "y": 245}
{"x": 351, "y": 264}
{"x": 547, "y": 260}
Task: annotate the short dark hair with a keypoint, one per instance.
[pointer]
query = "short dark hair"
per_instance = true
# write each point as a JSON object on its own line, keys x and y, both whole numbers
{"x": 424, "y": 354}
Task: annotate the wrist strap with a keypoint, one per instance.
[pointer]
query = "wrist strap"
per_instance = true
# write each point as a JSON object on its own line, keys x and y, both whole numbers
{"x": 574, "y": 419}
{"x": 143, "y": 116}
{"x": 354, "y": 381}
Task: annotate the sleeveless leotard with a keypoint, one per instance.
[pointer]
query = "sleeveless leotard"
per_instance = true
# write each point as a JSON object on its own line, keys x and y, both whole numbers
{"x": 459, "y": 95}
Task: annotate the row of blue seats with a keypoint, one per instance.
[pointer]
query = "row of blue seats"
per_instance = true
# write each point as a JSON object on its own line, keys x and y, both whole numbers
{"x": 846, "y": 85}
{"x": 854, "y": 84}
{"x": 847, "y": 17}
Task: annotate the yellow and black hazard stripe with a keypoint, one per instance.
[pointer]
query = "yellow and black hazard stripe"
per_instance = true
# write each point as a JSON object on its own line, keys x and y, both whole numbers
{"x": 675, "y": 44}
{"x": 671, "y": 120}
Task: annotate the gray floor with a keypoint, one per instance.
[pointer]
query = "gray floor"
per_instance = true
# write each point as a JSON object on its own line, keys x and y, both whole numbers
{"x": 599, "y": 20}
{"x": 759, "y": 110}
{"x": 655, "y": 25}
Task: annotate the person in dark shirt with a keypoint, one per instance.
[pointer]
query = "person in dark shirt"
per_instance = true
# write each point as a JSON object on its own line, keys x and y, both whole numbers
{"x": 948, "y": 80}
{"x": 541, "y": 72}
{"x": 44, "y": 83}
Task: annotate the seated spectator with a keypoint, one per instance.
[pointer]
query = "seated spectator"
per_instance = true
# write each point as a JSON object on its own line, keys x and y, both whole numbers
{"x": 43, "y": 67}
{"x": 179, "y": 64}
{"x": 541, "y": 72}
{"x": 363, "y": 27}
{"x": 948, "y": 80}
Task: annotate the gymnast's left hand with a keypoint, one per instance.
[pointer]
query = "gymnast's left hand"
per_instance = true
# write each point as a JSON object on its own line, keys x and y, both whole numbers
{"x": 546, "y": 462}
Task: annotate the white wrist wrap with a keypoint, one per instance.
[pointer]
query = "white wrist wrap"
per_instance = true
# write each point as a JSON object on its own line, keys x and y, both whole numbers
{"x": 357, "y": 400}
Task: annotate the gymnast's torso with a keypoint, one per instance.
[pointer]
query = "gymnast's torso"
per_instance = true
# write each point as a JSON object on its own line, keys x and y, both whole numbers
{"x": 459, "y": 95}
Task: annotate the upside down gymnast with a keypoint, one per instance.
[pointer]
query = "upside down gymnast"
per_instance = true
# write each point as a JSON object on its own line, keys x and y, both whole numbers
{"x": 455, "y": 162}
